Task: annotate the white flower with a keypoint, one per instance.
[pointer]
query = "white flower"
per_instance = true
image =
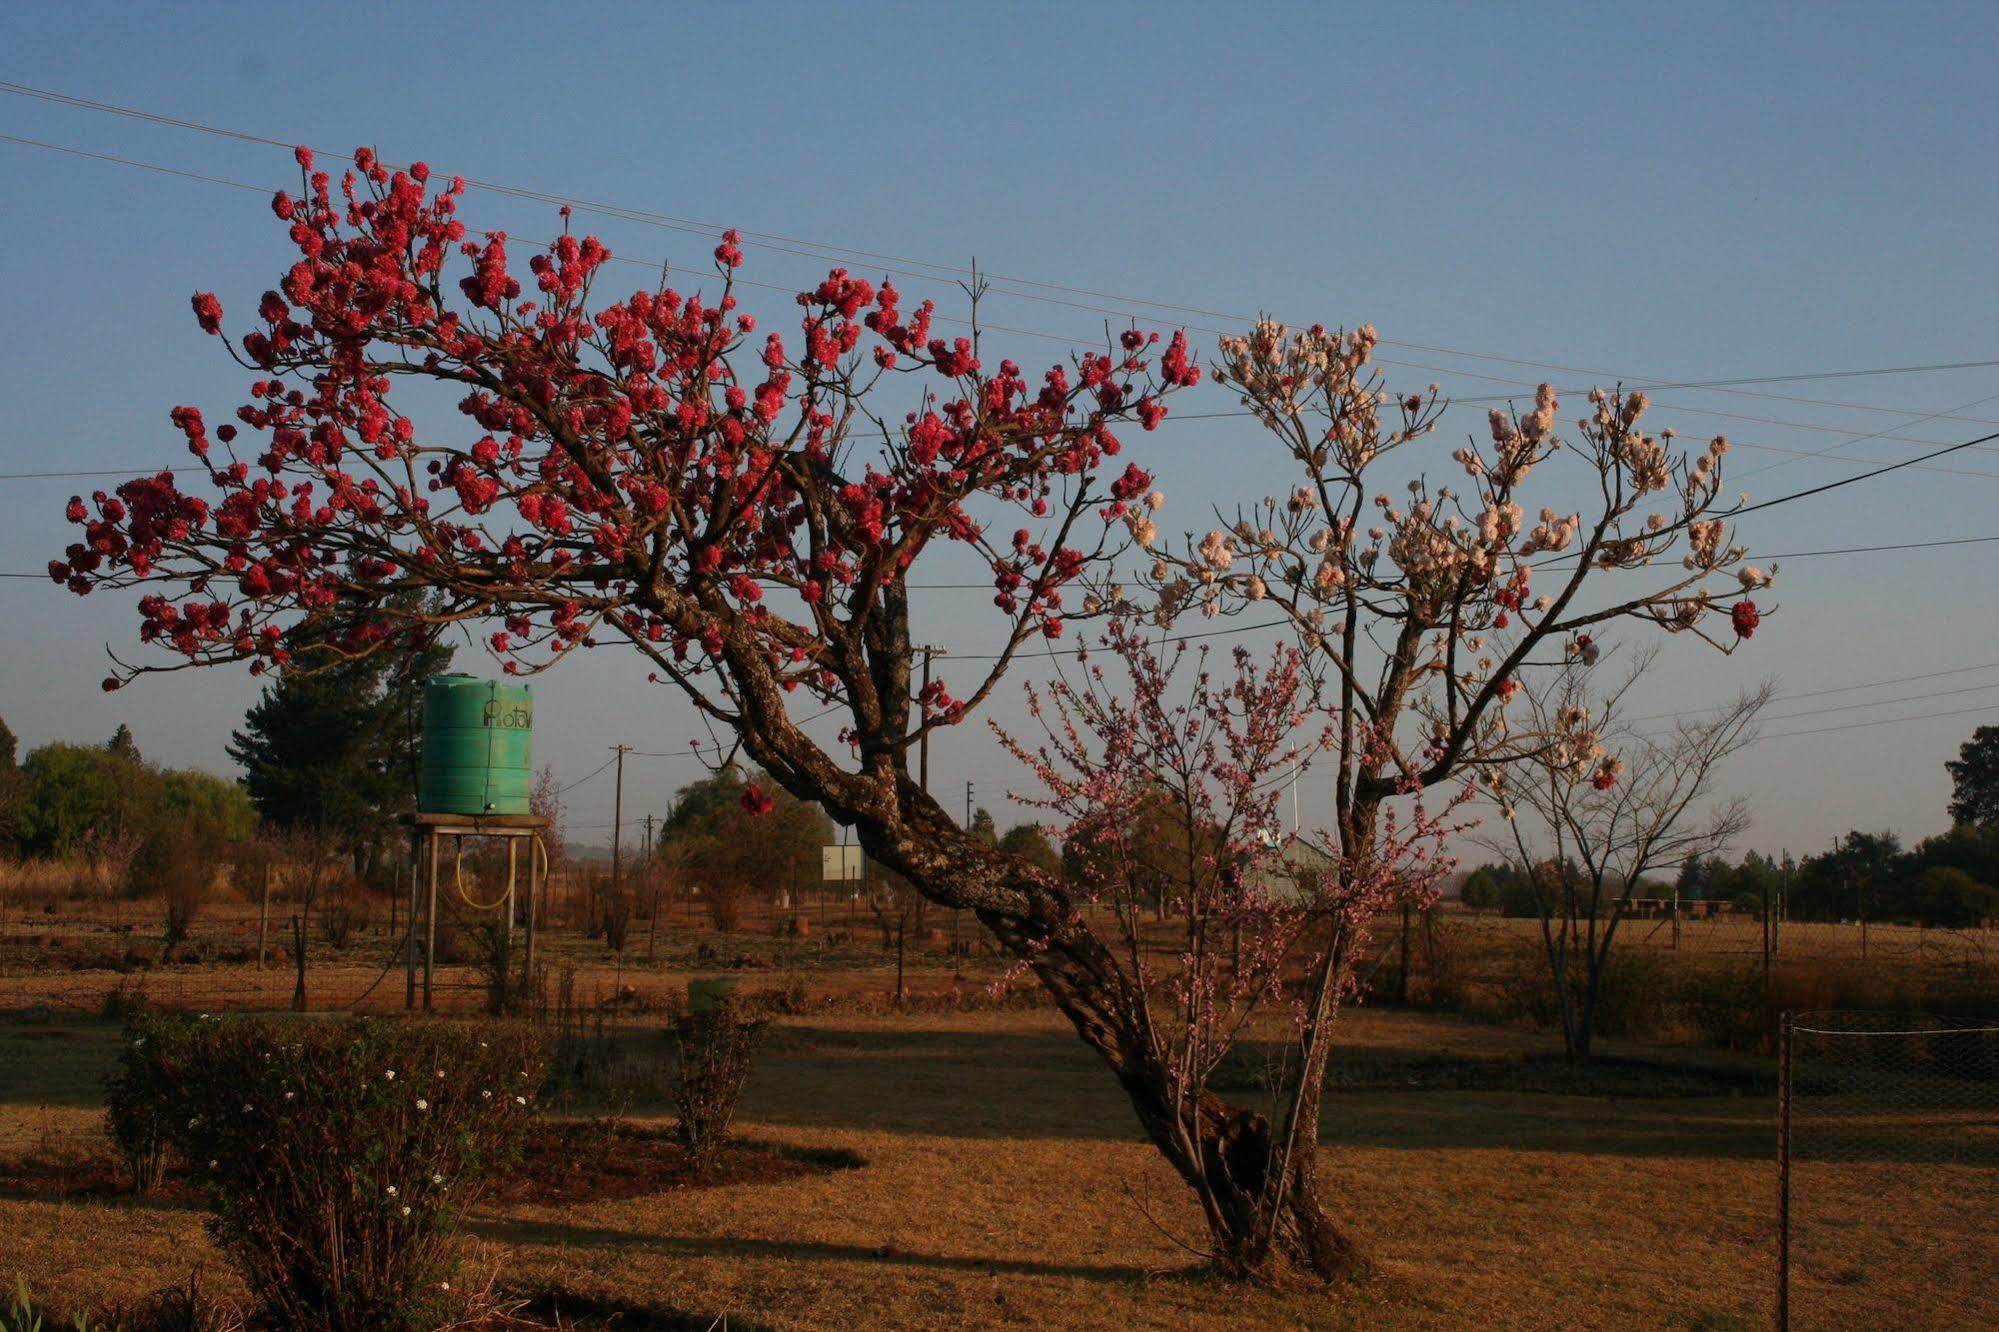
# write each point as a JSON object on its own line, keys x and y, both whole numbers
{"x": 392, "y": 1190}
{"x": 390, "y": 1075}
{"x": 440, "y": 1072}
{"x": 406, "y": 1209}
{"x": 288, "y": 1096}
{"x": 485, "y": 1096}
{"x": 422, "y": 1104}
{"x": 437, "y": 1179}
{"x": 520, "y": 1100}
{"x": 246, "y": 1107}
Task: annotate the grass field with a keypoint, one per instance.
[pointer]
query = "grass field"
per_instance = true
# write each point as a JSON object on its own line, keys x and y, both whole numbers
{"x": 1005, "y": 1182}
{"x": 1004, "y": 1185}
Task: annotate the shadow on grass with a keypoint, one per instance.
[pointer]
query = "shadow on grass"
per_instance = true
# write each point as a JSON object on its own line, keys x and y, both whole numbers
{"x": 1040, "y": 1082}
{"x": 565, "y": 1308}
{"x": 807, "y": 1251}
{"x": 1045, "y": 1084}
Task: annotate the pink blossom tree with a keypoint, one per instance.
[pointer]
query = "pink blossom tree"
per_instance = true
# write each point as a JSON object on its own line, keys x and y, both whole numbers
{"x": 1166, "y": 786}
{"x": 1421, "y": 612}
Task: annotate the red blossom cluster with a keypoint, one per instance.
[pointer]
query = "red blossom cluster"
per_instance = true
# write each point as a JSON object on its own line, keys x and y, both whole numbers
{"x": 635, "y": 464}
{"x": 1744, "y": 617}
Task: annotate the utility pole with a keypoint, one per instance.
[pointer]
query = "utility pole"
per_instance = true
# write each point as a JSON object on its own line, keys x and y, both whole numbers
{"x": 923, "y": 741}
{"x": 955, "y": 913}
{"x": 923, "y": 780}
{"x": 652, "y": 897}
{"x": 617, "y": 826}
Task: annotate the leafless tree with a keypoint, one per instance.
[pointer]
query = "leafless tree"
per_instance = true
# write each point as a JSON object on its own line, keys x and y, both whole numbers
{"x": 1603, "y": 803}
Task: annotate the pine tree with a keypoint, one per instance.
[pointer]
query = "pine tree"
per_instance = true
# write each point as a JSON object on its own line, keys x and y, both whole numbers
{"x": 334, "y": 749}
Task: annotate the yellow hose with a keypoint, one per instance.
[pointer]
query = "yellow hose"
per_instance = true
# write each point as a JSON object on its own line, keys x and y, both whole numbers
{"x": 458, "y": 872}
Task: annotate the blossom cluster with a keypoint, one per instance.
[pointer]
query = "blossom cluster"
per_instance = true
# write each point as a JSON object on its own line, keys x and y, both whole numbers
{"x": 655, "y": 467}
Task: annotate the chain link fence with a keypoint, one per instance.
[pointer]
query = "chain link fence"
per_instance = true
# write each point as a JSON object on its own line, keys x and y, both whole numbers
{"x": 1888, "y": 1162}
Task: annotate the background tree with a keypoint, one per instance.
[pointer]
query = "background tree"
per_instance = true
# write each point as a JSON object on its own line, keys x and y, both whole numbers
{"x": 1701, "y": 878}
{"x": 123, "y": 745}
{"x": 1948, "y": 898}
{"x": 1974, "y": 779}
{"x": 1480, "y": 891}
{"x": 69, "y": 792}
{"x": 1031, "y": 844}
{"x": 333, "y": 745}
{"x": 735, "y": 836}
{"x": 1754, "y": 885}
{"x": 11, "y": 787}
{"x": 1610, "y": 803}
{"x": 742, "y": 510}
{"x": 1850, "y": 881}
{"x": 546, "y": 800}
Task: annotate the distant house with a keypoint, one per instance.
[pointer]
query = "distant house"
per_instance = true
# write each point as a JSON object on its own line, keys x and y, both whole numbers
{"x": 1293, "y": 870}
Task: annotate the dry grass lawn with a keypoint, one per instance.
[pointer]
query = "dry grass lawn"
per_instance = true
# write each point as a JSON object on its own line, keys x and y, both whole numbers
{"x": 1006, "y": 1185}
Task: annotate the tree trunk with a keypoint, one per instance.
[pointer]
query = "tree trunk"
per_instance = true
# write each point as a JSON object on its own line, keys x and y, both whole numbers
{"x": 1223, "y": 1151}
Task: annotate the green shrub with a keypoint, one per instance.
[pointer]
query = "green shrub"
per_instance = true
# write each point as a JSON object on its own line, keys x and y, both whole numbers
{"x": 1731, "y": 1007}
{"x": 172, "y": 865}
{"x": 139, "y": 1098}
{"x": 717, "y": 1048}
{"x": 337, "y": 1156}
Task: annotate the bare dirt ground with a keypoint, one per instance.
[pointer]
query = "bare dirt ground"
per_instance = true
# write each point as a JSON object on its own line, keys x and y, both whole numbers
{"x": 1004, "y": 1184}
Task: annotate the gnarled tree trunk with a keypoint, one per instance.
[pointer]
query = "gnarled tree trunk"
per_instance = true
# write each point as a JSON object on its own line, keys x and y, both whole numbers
{"x": 1225, "y": 1152}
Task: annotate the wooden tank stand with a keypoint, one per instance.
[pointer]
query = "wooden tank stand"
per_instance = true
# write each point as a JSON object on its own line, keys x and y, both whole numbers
{"x": 427, "y": 833}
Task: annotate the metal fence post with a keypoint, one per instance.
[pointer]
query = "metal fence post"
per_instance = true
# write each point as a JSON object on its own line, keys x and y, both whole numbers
{"x": 1784, "y": 1173}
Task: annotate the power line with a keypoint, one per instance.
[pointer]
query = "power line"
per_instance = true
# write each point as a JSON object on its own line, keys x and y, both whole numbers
{"x": 1871, "y": 550}
{"x": 1838, "y": 689}
{"x": 1883, "y": 702}
{"x": 942, "y": 271}
{"x": 1865, "y": 476}
{"x": 1462, "y": 402}
{"x": 1774, "y": 555}
{"x": 568, "y": 786}
{"x": 1833, "y": 450}
{"x": 136, "y": 469}
{"x": 1885, "y": 721}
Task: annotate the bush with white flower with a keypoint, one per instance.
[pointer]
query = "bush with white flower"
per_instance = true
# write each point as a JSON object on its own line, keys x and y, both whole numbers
{"x": 336, "y": 1184}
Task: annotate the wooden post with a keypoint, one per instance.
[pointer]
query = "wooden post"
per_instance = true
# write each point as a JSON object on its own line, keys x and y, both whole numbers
{"x": 298, "y": 959}
{"x": 1784, "y": 1040}
{"x": 513, "y": 849}
{"x": 264, "y": 912}
{"x": 417, "y": 841}
{"x": 430, "y": 925}
{"x": 1402, "y": 968}
{"x": 533, "y": 903}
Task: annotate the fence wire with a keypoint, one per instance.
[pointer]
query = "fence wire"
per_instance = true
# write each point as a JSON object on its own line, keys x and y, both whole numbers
{"x": 1889, "y": 1139}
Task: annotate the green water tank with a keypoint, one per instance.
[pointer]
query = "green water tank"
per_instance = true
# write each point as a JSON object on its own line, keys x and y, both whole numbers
{"x": 477, "y": 752}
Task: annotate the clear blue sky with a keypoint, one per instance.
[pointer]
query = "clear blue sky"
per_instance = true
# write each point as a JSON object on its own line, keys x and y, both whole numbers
{"x": 1694, "y": 191}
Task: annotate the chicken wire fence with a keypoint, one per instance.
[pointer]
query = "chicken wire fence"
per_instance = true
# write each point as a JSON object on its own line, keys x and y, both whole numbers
{"x": 1888, "y": 1163}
